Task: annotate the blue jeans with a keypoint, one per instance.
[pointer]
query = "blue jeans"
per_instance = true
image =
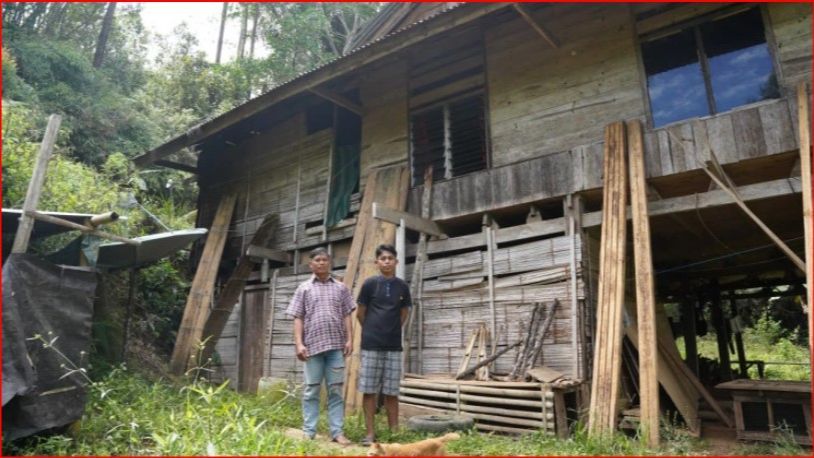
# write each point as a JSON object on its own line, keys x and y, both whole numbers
{"x": 330, "y": 366}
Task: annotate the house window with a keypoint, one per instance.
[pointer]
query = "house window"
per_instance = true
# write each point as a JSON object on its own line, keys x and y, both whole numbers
{"x": 451, "y": 137}
{"x": 709, "y": 68}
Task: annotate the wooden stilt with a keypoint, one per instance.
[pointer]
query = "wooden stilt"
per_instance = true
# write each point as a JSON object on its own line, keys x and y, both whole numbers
{"x": 804, "y": 123}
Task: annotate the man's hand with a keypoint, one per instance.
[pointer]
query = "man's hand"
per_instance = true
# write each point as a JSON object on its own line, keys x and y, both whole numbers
{"x": 302, "y": 352}
{"x": 348, "y": 350}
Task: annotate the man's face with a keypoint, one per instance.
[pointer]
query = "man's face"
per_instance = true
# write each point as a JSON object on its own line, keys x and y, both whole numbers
{"x": 320, "y": 264}
{"x": 386, "y": 263}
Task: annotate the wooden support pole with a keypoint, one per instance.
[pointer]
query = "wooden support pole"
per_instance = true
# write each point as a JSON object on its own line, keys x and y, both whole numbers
{"x": 196, "y": 310}
{"x": 721, "y": 335}
{"x": 33, "y": 214}
{"x": 490, "y": 253}
{"x": 689, "y": 332}
{"x": 737, "y": 331}
{"x": 32, "y": 195}
{"x": 804, "y": 125}
{"x": 782, "y": 245}
{"x": 573, "y": 208}
{"x": 131, "y": 294}
{"x": 413, "y": 222}
{"x": 645, "y": 288}
{"x": 417, "y": 278}
{"x": 401, "y": 242}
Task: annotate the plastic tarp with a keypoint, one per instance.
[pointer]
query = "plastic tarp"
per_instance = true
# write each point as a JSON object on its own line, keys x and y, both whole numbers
{"x": 40, "y": 298}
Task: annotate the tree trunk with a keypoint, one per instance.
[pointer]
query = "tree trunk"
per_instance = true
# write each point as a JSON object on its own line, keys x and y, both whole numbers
{"x": 255, "y": 18}
{"x": 244, "y": 19}
{"x": 222, "y": 28}
{"x": 101, "y": 44}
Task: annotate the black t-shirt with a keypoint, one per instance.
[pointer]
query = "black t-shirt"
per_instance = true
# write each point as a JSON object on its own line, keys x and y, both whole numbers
{"x": 383, "y": 298}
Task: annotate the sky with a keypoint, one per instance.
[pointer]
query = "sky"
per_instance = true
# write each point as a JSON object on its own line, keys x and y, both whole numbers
{"x": 203, "y": 20}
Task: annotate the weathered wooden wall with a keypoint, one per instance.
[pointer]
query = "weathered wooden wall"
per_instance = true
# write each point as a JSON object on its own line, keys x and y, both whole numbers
{"x": 791, "y": 26}
{"x": 545, "y": 100}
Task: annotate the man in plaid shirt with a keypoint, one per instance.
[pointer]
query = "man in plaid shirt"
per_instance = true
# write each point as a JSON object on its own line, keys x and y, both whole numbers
{"x": 321, "y": 308}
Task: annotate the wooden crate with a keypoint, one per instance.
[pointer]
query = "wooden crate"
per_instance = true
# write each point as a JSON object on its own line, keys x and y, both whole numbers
{"x": 763, "y": 407}
{"x": 505, "y": 407}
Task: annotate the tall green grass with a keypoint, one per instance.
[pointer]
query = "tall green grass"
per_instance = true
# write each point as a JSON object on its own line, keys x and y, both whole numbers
{"x": 127, "y": 414}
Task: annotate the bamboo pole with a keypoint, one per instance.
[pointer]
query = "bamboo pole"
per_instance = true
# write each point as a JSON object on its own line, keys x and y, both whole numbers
{"x": 33, "y": 214}
{"x": 417, "y": 277}
{"x": 488, "y": 360}
{"x": 32, "y": 195}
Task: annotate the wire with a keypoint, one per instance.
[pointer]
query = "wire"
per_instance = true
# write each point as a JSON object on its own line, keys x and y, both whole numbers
{"x": 718, "y": 258}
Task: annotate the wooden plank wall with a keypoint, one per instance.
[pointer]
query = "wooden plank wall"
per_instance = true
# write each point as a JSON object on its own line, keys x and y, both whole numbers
{"x": 545, "y": 100}
{"x": 455, "y": 301}
{"x": 760, "y": 129}
{"x": 791, "y": 24}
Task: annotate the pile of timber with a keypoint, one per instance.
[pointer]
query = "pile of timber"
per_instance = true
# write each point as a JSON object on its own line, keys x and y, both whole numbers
{"x": 505, "y": 407}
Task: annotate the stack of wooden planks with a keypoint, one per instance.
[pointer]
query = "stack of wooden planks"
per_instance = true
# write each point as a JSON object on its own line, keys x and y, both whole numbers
{"x": 611, "y": 289}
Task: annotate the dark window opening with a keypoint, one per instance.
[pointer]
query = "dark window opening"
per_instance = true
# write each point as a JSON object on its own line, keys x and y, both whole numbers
{"x": 451, "y": 137}
{"x": 709, "y": 68}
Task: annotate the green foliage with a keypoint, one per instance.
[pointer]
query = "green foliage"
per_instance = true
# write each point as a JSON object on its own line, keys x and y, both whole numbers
{"x": 162, "y": 291}
{"x": 69, "y": 185}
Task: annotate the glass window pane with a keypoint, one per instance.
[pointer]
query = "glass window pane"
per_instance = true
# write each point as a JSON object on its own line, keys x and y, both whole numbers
{"x": 675, "y": 82}
{"x": 739, "y": 61}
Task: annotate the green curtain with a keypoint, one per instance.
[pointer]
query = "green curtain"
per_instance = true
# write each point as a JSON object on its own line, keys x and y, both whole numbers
{"x": 345, "y": 178}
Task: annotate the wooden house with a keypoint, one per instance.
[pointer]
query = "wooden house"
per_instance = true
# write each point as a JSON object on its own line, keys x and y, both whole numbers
{"x": 509, "y": 104}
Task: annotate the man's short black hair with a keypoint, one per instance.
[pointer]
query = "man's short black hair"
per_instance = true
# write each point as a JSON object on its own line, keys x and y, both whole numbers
{"x": 317, "y": 252}
{"x": 386, "y": 247}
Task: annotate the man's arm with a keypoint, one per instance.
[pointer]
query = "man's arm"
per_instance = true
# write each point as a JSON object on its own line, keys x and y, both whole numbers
{"x": 348, "y": 332}
{"x": 360, "y": 314}
{"x": 302, "y": 351}
{"x": 405, "y": 312}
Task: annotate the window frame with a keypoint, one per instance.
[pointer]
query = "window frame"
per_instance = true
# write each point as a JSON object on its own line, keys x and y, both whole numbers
{"x": 695, "y": 24}
{"x": 444, "y": 104}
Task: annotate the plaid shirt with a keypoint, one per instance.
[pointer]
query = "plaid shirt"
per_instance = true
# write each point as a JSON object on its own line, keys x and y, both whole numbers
{"x": 322, "y": 305}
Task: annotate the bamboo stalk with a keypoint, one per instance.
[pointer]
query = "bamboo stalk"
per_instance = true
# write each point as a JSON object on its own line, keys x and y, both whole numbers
{"x": 79, "y": 227}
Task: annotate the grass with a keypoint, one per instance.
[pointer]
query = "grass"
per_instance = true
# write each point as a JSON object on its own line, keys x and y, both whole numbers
{"x": 128, "y": 415}
{"x": 765, "y": 341}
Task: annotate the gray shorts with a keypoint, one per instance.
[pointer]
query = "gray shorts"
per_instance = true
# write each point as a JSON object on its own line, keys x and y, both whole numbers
{"x": 380, "y": 369}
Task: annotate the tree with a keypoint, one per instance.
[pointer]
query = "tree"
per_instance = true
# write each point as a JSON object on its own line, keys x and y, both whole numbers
{"x": 101, "y": 44}
{"x": 223, "y": 16}
{"x": 241, "y": 41}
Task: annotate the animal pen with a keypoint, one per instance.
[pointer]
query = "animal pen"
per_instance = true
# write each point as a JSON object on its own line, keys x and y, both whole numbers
{"x": 496, "y": 145}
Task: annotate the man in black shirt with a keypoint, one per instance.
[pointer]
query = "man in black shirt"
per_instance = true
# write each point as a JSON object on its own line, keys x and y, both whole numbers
{"x": 384, "y": 303}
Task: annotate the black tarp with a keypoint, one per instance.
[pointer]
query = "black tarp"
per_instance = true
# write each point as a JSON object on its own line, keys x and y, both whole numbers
{"x": 55, "y": 302}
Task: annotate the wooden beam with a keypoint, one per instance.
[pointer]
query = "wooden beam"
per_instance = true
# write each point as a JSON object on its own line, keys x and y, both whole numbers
{"x": 338, "y": 99}
{"x": 196, "y": 310}
{"x": 386, "y": 47}
{"x": 781, "y": 244}
{"x": 33, "y": 214}
{"x": 709, "y": 199}
{"x": 412, "y": 221}
{"x": 268, "y": 253}
{"x": 645, "y": 288}
{"x": 230, "y": 293}
{"x": 536, "y": 25}
{"x": 804, "y": 124}
{"x": 103, "y": 218}
{"x": 32, "y": 195}
{"x": 177, "y": 166}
